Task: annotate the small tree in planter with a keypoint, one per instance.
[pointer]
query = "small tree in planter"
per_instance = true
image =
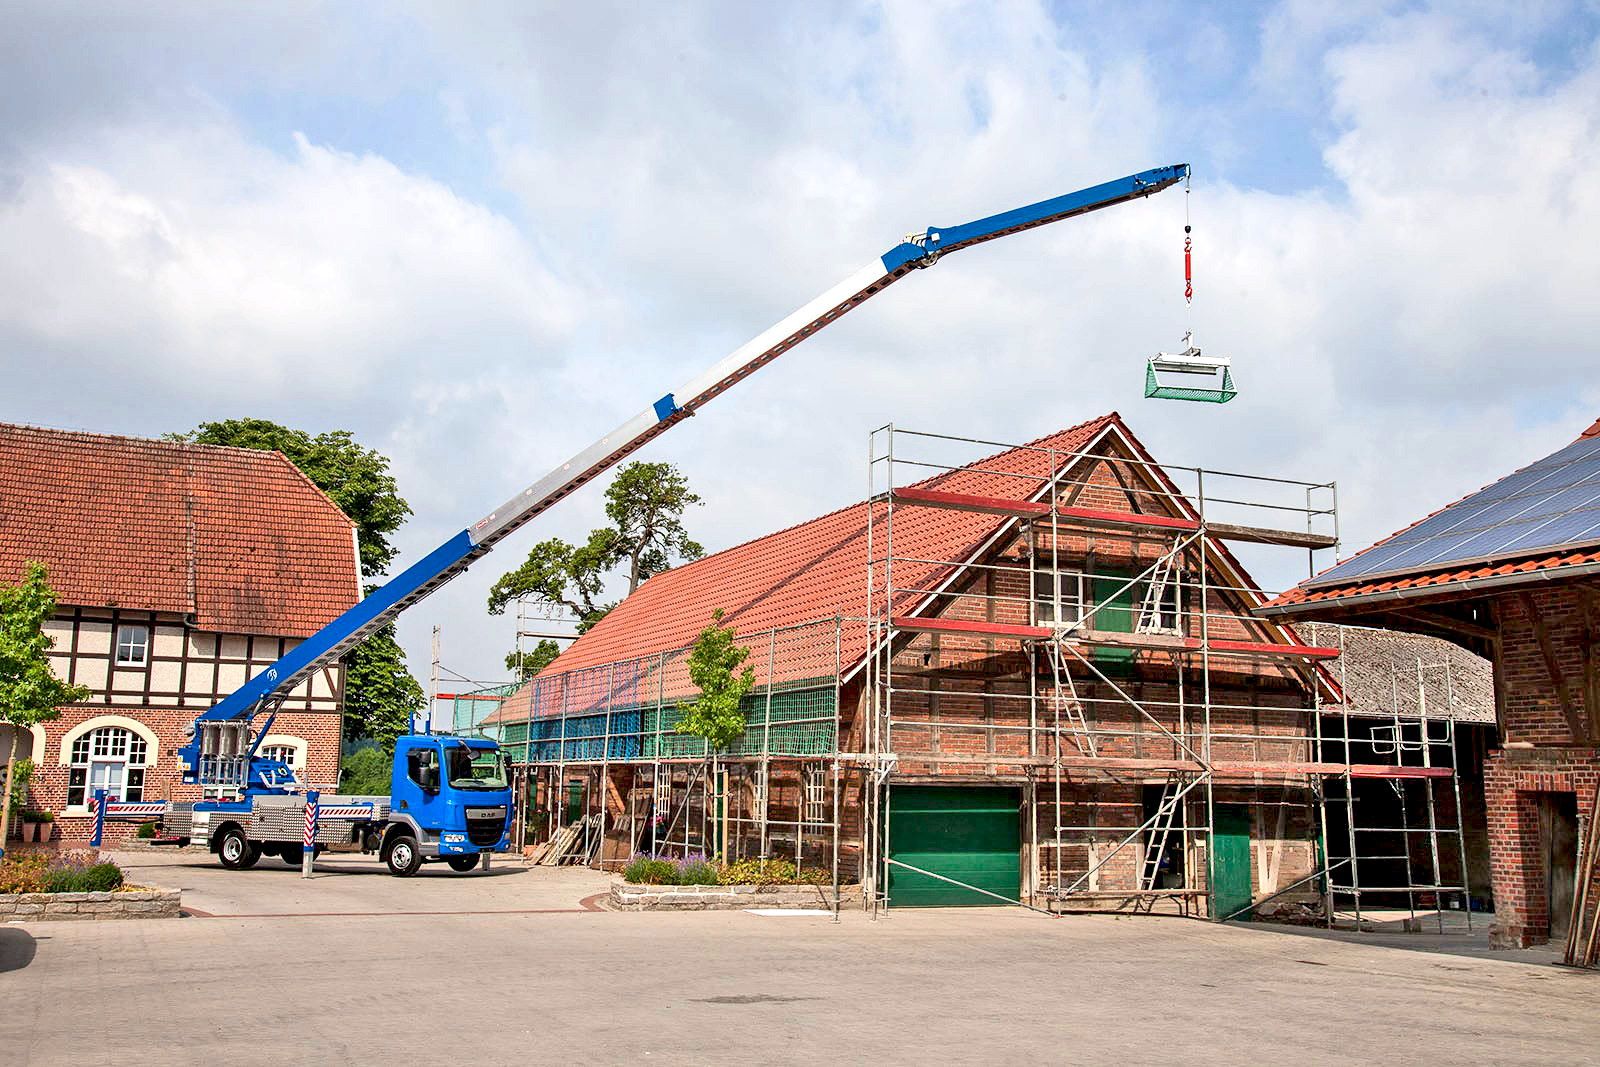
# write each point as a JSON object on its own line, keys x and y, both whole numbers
{"x": 716, "y": 716}
{"x": 30, "y": 693}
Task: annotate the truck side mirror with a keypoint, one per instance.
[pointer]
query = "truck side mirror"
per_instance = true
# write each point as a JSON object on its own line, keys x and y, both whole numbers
{"x": 429, "y": 778}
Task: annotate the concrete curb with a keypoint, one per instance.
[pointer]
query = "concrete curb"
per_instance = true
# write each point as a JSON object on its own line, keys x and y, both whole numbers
{"x": 68, "y": 907}
{"x": 625, "y": 896}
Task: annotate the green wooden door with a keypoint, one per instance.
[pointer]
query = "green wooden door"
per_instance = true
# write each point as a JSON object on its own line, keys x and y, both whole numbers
{"x": 574, "y": 801}
{"x": 1230, "y": 859}
{"x": 972, "y": 834}
{"x": 1116, "y": 610}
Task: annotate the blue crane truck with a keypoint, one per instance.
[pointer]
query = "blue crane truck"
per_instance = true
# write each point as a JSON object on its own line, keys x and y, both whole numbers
{"x": 255, "y": 807}
{"x": 449, "y": 801}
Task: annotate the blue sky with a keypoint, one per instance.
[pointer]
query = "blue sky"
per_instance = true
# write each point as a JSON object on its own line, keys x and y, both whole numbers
{"x": 480, "y": 237}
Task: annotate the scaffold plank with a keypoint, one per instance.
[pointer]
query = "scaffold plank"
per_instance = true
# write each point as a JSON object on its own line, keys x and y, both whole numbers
{"x": 1157, "y": 642}
{"x": 1261, "y": 535}
{"x": 1028, "y": 509}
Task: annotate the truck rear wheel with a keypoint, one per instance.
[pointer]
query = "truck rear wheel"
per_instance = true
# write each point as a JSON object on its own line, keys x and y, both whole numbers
{"x": 463, "y": 863}
{"x": 292, "y": 854}
{"x": 236, "y": 851}
{"x": 401, "y": 856}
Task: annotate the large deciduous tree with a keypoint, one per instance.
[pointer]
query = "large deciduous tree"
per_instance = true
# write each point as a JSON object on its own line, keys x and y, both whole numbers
{"x": 380, "y": 694}
{"x": 645, "y": 503}
{"x": 30, "y": 693}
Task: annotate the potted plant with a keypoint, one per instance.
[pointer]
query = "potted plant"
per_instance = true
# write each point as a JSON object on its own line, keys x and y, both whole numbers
{"x": 47, "y": 824}
{"x": 30, "y": 825}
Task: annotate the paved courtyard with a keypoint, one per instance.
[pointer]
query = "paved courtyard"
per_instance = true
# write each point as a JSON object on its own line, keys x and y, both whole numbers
{"x": 512, "y": 966}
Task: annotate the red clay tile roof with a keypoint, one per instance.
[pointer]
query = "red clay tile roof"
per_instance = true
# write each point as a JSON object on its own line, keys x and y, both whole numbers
{"x": 809, "y": 572}
{"x": 237, "y": 536}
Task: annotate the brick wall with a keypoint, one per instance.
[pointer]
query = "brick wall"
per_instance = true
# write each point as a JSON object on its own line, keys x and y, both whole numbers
{"x": 1541, "y": 757}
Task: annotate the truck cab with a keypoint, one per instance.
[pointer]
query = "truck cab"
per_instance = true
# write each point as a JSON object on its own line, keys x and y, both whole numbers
{"x": 450, "y": 799}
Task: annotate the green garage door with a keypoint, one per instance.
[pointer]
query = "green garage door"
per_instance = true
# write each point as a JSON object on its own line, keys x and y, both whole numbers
{"x": 969, "y": 833}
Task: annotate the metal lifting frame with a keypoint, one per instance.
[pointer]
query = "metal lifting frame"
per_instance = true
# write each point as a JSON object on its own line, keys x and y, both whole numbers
{"x": 455, "y": 555}
{"x": 1050, "y": 736}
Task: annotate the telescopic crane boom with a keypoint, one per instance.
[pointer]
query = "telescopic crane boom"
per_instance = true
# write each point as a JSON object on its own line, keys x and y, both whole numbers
{"x": 455, "y": 555}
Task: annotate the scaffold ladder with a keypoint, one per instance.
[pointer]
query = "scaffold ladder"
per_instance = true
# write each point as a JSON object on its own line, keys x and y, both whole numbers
{"x": 1160, "y": 832}
{"x": 1065, "y": 697}
{"x": 1161, "y": 576}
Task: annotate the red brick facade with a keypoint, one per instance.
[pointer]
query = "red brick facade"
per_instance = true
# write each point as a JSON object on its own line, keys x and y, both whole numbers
{"x": 1541, "y": 763}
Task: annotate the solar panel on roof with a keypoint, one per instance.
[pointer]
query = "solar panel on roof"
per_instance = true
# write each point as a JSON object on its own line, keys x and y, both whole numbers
{"x": 1551, "y": 504}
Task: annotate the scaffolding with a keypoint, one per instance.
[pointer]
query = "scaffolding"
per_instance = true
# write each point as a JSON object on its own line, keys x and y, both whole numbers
{"x": 1409, "y": 849}
{"x": 1080, "y": 631}
{"x": 1100, "y": 652}
{"x": 598, "y": 748}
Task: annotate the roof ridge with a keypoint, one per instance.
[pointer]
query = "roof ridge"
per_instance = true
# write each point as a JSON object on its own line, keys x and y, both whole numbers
{"x": 134, "y": 439}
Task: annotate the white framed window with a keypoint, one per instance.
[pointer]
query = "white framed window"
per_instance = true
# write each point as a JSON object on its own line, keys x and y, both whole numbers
{"x": 288, "y": 755}
{"x": 112, "y": 758}
{"x": 133, "y": 644}
{"x": 1047, "y": 585}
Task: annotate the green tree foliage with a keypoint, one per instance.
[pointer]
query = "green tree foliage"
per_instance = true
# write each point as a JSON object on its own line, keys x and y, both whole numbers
{"x": 367, "y": 772}
{"x": 558, "y": 573}
{"x": 380, "y": 695}
{"x": 645, "y": 503}
{"x": 524, "y": 665}
{"x": 30, "y": 693}
{"x": 357, "y": 479}
{"x": 712, "y": 661}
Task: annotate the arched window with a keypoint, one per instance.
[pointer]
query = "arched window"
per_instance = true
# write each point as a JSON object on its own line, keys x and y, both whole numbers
{"x": 286, "y": 749}
{"x": 112, "y": 758}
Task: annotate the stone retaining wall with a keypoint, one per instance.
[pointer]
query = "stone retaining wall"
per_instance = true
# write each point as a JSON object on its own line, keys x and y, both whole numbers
{"x": 138, "y": 904}
{"x": 628, "y": 897}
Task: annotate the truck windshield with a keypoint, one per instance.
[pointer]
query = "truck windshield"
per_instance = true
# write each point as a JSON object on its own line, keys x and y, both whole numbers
{"x": 475, "y": 768}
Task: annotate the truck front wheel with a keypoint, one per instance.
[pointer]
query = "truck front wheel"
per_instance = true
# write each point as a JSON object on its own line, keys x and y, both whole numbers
{"x": 402, "y": 857}
{"x": 463, "y": 863}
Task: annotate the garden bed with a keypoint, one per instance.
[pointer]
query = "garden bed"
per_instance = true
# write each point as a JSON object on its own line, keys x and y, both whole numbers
{"x": 43, "y": 884}
{"x": 626, "y": 896}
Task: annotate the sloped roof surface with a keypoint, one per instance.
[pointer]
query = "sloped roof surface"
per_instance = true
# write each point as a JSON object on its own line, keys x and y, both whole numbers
{"x": 817, "y": 569}
{"x": 1541, "y": 517}
{"x": 239, "y": 537}
{"x": 1378, "y": 674}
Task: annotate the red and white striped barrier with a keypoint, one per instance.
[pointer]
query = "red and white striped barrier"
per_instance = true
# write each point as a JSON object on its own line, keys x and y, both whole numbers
{"x": 345, "y": 811}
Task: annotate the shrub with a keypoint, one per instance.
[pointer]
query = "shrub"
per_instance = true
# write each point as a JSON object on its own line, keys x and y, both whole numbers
{"x": 772, "y": 872}
{"x": 102, "y": 878}
{"x": 695, "y": 869}
{"x": 645, "y": 869}
{"x": 147, "y": 830}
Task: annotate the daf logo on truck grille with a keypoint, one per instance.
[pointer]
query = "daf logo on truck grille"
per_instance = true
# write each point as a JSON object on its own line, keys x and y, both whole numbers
{"x": 486, "y": 813}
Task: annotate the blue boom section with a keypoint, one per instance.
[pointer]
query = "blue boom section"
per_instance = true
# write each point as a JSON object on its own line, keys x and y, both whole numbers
{"x": 940, "y": 240}
{"x": 451, "y": 558}
{"x": 348, "y": 629}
